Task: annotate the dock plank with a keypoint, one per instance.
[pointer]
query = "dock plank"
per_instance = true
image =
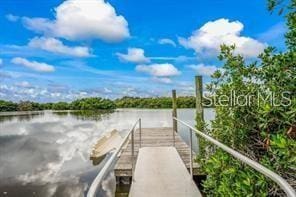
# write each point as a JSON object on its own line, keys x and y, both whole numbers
{"x": 161, "y": 172}
{"x": 153, "y": 137}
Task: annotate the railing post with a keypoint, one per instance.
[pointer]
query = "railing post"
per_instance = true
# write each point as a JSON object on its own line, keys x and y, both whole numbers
{"x": 140, "y": 130}
{"x": 133, "y": 154}
{"x": 191, "y": 162}
{"x": 174, "y": 140}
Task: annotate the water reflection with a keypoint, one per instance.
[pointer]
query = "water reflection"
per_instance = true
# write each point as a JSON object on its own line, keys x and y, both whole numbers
{"x": 19, "y": 116}
{"x": 84, "y": 115}
{"x": 90, "y": 115}
{"x": 47, "y": 153}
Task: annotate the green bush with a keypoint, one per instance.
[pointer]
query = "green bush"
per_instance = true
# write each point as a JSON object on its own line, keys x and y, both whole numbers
{"x": 60, "y": 106}
{"x": 156, "y": 102}
{"x": 263, "y": 132}
{"x": 95, "y": 103}
{"x": 7, "y": 106}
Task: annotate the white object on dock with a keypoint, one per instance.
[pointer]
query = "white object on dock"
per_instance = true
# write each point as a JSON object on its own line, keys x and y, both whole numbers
{"x": 104, "y": 145}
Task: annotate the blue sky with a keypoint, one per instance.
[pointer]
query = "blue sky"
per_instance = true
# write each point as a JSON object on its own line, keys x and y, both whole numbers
{"x": 63, "y": 50}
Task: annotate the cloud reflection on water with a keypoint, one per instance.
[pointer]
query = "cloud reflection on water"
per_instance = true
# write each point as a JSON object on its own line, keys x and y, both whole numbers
{"x": 50, "y": 152}
{"x": 47, "y": 154}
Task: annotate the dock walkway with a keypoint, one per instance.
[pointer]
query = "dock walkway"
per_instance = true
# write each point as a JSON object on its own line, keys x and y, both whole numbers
{"x": 159, "y": 164}
{"x": 165, "y": 176}
{"x": 153, "y": 137}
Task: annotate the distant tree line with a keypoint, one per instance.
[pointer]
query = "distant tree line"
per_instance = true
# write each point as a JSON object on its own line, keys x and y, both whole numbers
{"x": 156, "y": 102}
{"x": 97, "y": 103}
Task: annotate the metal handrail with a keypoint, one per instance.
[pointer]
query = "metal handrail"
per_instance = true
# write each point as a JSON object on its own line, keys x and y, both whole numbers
{"x": 103, "y": 172}
{"x": 255, "y": 165}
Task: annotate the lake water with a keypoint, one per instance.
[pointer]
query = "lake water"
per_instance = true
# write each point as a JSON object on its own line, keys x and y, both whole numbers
{"x": 47, "y": 153}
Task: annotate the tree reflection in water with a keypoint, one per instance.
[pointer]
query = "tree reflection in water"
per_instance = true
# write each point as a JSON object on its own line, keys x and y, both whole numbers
{"x": 94, "y": 115}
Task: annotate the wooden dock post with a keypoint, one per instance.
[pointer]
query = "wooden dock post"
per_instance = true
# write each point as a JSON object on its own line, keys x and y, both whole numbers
{"x": 199, "y": 113}
{"x": 174, "y": 97}
{"x": 199, "y": 108}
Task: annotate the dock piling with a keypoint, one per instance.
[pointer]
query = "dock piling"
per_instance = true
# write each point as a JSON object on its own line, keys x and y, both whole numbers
{"x": 174, "y": 113}
{"x": 199, "y": 97}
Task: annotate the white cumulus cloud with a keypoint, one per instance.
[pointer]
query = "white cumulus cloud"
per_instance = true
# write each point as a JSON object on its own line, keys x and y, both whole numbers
{"x": 12, "y": 18}
{"x": 165, "y": 80}
{"x": 208, "y": 39}
{"x": 37, "y": 66}
{"x": 80, "y": 19}
{"x": 135, "y": 55}
{"x": 24, "y": 84}
{"x": 276, "y": 32}
{"x": 167, "y": 41}
{"x": 202, "y": 69}
{"x": 159, "y": 70}
{"x": 56, "y": 46}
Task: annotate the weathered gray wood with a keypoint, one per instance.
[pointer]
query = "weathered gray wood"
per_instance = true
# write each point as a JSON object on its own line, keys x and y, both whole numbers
{"x": 153, "y": 137}
{"x": 161, "y": 172}
{"x": 199, "y": 97}
{"x": 174, "y": 102}
{"x": 200, "y": 122}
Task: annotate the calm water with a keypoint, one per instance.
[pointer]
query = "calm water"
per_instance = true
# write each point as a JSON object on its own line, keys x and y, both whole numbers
{"x": 47, "y": 153}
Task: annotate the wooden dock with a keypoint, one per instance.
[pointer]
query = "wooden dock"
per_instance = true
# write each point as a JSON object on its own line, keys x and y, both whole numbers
{"x": 153, "y": 137}
{"x": 165, "y": 176}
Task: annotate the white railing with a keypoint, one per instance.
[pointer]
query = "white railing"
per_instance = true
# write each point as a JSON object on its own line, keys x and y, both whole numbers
{"x": 260, "y": 168}
{"x": 113, "y": 158}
